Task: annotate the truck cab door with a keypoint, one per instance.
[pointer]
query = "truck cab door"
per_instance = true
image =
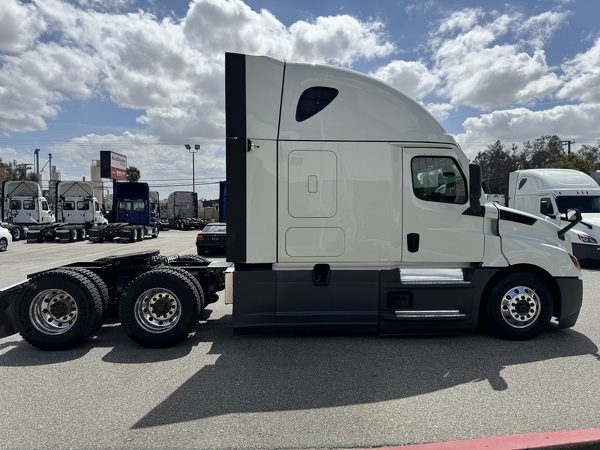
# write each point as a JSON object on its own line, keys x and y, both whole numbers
{"x": 435, "y": 198}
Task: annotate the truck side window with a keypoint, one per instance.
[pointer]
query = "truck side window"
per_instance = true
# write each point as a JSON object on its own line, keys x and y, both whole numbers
{"x": 313, "y": 100}
{"x": 438, "y": 179}
{"x": 15, "y": 204}
{"x": 29, "y": 205}
{"x": 546, "y": 207}
{"x": 45, "y": 206}
{"x": 69, "y": 206}
{"x": 83, "y": 205}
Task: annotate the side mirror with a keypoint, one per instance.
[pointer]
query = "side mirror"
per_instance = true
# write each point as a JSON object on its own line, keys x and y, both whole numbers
{"x": 475, "y": 207}
{"x": 574, "y": 217}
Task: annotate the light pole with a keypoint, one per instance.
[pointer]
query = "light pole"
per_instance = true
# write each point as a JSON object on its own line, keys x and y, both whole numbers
{"x": 193, "y": 151}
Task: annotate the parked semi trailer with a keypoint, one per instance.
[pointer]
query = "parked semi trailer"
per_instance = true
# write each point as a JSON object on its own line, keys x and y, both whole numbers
{"x": 349, "y": 208}
{"x": 182, "y": 211}
{"x": 76, "y": 211}
{"x": 132, "y": 215}
{"x": 24, "y": 206}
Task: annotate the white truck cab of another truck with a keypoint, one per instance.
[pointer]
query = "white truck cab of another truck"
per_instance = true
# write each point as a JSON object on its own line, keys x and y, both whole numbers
{"x": 23, "y": 206}
{"x": 350, "y": 207}
{"x": 548, "y": 193}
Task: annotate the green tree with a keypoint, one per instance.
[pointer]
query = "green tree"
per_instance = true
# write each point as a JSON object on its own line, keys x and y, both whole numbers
{"x": 591, "y": 154}
{"x": 496, "y": 162}
{"x": 13, "y": 170}
{"x": 540, "y": 153}
{"x": 133, "y": 173}
{"x": 572, "y": 161}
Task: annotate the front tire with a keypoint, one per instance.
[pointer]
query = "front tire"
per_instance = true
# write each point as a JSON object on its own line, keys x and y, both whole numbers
{"x": 16, "y": 233}
{"x": 3, "y": 244}
{"x": 159, "y": 308}
{"x": 518, "y": 307}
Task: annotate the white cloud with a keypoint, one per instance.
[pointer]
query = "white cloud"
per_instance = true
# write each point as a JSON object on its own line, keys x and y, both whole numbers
{"x": 480, "y": 71}
{"x": 578, "y": 122}
{"x": 411, "y": 77}
{"x": 152, "y": 156}
{"x": 18, "y": 26}
{"x": 440, "y": 111}
{"x": 171, "y": 71}
{"x": 582, "y": 76}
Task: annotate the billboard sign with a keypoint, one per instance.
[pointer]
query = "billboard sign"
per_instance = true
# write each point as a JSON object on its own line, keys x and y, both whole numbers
{"x": 113, "y": 165}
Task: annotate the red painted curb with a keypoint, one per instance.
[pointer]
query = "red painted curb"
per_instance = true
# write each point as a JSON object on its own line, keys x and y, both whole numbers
{"x": 580, "y": 439}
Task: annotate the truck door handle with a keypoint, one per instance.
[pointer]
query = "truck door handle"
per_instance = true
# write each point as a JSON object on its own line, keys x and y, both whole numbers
{"x": 412, "y": 242}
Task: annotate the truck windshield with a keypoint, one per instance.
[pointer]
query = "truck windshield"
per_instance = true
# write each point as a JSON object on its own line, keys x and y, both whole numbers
{"x": 585, "y": 204}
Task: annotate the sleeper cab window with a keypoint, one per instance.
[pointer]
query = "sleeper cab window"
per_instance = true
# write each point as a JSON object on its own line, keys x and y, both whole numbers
{"x": 438, "y": 179}
{"x": 313, "y": 100}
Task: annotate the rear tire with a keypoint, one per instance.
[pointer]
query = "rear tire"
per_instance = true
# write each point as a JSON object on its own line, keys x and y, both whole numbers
{"x": 58, "y": 310}
{"x": 3, "y": 244}
{"x": 102, "y": 289}
{"x": 159, "y": 308}
{"x": 518, "y": 307}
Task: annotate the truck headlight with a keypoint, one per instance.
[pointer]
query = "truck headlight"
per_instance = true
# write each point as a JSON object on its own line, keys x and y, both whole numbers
{"x": 586, "y": 238}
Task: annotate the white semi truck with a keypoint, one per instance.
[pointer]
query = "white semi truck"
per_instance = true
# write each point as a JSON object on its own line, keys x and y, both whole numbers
{"x": 349, "y": 208}
{"x": 548, "y": 193}
{"x": 24, "y": 206}
{"x": 76, "y": 211}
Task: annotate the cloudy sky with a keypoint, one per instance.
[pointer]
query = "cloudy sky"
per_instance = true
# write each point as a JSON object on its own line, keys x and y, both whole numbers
{"x": 144, "y": 77}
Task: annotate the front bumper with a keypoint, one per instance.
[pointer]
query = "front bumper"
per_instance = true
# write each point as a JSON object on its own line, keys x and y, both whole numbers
{"x": 587, "y": 254}
{"x": 571, "y": 296}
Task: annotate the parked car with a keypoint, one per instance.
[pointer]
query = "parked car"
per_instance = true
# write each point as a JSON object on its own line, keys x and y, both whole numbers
{"x": 5, "y": 236}
{"x": 211, "y": 238}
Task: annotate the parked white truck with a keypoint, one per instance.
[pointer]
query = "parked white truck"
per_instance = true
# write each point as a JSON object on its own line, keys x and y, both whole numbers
{"x": 548, "y": 193}
{"x": 349, "y": 208}
{"x": 76, "y": 211}
{"x": 23, "y": 206}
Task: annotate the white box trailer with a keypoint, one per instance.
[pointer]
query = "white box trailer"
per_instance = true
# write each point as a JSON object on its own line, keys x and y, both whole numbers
{"x": 350, "y": 207}
{"x": 548, "y": 193}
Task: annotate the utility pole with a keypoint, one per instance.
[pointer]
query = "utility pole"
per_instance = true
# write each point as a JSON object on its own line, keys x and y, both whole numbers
{"x": 568, "y": 145}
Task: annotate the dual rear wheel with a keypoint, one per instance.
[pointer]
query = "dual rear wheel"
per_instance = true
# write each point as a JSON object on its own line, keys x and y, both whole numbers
{"x": 60, "y": 308}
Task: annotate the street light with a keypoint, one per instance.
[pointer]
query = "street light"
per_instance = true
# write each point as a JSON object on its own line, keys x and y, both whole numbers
{"x": 193, "y": 151}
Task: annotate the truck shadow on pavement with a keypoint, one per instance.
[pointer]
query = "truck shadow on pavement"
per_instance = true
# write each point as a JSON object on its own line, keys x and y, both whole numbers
{"x": 267, "y": 373}
{"x": 111, "y": 335}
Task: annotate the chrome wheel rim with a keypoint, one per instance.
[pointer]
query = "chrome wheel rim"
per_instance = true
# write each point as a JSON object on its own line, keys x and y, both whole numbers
{"x": 53, "y": 311}
{"x": 520, "y": 307}
{"x": 157, "y": 310}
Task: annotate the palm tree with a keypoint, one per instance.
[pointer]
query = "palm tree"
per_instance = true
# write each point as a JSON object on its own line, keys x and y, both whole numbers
{"x": 133, "y": 173}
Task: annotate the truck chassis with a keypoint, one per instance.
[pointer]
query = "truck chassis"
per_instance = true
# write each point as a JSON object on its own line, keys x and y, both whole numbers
{"x": 158, "y": 299}
{"x": 64, "y": 232}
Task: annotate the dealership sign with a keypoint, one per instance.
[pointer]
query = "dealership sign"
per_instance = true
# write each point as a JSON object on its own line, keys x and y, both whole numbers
{"x": 113, "y": 165}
